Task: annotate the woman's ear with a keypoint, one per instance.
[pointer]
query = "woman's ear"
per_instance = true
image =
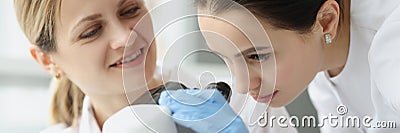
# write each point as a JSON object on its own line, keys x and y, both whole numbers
{"x": 329, "y": 17}
{"x": 45, "y": 61}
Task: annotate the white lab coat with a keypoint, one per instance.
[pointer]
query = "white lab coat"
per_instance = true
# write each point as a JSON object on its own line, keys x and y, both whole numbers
{"x": 384, "y": 58}
{"x": 87, "y": 122}
{"x": 370, "y": 81}
{"x": 244, "y": 105}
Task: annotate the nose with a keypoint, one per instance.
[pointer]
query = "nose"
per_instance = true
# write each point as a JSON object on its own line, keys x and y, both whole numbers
{"x": 255, "y": 83}
{"x": 250, "y": 82}
{"x": 122, "y": 35}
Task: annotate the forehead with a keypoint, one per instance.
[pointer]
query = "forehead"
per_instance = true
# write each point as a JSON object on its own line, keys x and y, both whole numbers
{"x": 73, "y": 10}
{"x": 221, "y": 35}
{"x": 233, "y": 27}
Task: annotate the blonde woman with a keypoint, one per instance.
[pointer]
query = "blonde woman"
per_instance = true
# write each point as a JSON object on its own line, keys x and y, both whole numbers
{"x": 81, "y": 43}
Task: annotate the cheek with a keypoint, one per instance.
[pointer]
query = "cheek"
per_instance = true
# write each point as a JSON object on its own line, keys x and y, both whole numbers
{"x": 82, "y": 59}
{"x": 144, "y": 27}
{"x": 284, "y": 74}
{"x": 85, "y": 66}
{"x": 291, "y": 81}
{"x": 150, "y": 64}
{"x": 294, "y": 72}
{"x": 297, "y": 62}
{"x": 269, "y": 71}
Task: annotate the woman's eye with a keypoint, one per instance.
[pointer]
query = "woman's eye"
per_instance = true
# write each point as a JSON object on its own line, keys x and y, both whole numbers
{"x": 259, "y": 57}
{"x": 130, "y": 12}
{"x": 90, "y": 33}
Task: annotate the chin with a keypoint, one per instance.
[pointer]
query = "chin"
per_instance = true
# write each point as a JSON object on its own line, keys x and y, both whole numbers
{"x": 280, "y": 103}
{"x": 276, "y": 105}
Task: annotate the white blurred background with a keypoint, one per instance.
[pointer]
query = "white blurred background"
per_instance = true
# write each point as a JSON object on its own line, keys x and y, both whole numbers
{"x": 23, "y": 84}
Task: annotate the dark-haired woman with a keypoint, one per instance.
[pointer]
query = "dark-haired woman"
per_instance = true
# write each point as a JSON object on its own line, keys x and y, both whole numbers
{"x": 345, "y": 52}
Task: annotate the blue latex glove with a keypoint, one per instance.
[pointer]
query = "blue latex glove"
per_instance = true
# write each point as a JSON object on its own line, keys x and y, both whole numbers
{"x": 204, "y": 111}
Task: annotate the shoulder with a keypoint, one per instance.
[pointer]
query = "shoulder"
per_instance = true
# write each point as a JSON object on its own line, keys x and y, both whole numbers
{"x": 386, "y": 39}
{"x": 384, "y": 59}
{"x": 385, "y": 46}
{"x": 59, "y": 128}
{"x": 371, "y": 13}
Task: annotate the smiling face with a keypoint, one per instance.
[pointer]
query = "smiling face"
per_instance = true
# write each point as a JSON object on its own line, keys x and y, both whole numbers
{"x": 298, "y": 58}
{"x": 91, "y": 37}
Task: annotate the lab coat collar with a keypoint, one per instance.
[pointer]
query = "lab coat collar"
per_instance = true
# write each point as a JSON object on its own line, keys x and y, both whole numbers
{"x": 88, "y": 123}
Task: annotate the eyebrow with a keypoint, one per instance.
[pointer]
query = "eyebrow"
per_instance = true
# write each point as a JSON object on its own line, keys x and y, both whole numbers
{"x": 121, "y": 3}
{"x": 88, "y": 18}
{"x": 249, "y": 50}
{"x": 95, "y": 16}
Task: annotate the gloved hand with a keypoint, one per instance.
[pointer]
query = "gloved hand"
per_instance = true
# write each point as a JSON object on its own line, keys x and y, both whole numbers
{"x": 203, "y": 111}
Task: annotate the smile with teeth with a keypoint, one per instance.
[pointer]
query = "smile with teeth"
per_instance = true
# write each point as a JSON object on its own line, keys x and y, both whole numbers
{"x": 129, "y": 58}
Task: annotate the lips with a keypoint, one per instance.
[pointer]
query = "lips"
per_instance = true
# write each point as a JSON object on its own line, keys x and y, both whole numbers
{"x": 265, "y": 98}
{"x": 128, "y": 58}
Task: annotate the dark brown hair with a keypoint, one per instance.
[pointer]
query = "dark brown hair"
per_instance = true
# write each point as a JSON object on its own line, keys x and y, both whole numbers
{"x": 296, "y": 15}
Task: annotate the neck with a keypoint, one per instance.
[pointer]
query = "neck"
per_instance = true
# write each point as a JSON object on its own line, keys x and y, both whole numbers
{"x": 105, "y": 106}
{"x": 336, "y": 53}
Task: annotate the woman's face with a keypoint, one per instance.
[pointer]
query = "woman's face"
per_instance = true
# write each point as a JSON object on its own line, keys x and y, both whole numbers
{"x": 298, "y": 58}
{"x": 91, "y": 37}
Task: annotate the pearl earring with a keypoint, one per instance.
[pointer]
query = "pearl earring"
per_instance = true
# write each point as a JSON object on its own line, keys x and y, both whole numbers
{"x": 328, "y": 38}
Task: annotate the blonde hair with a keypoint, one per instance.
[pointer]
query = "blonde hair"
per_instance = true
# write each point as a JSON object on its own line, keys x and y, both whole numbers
{"x": 37, "y": 19}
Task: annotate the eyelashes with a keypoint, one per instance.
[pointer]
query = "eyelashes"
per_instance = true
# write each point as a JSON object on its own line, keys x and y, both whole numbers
{"x": 130, "y": 12}
{"x": 91, "y": 33}
{"x": 259, "y": 57}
